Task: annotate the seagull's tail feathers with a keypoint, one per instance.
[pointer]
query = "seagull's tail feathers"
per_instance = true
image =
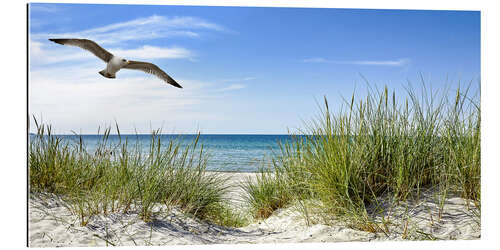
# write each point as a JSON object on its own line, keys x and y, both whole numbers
{"x": 106, "y": 74}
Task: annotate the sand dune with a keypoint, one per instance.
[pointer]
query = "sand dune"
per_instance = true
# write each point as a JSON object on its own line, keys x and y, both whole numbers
{"x": 51, "y": 224}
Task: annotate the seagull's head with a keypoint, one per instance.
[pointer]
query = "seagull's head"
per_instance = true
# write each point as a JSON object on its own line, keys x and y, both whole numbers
{"x": 124, "y": 62}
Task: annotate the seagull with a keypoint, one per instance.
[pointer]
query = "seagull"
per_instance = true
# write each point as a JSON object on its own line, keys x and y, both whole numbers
{"x": 115, "y": 63}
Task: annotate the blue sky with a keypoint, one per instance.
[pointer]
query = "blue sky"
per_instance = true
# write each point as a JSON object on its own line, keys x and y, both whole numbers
{"x": 244, "y": 70}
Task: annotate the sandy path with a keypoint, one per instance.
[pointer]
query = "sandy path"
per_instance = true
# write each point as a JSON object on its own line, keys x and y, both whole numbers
{"x": 51, "y": 224}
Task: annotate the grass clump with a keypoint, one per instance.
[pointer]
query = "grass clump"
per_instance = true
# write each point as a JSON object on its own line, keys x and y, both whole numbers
{"x": 267, "y": 194}
{"x": 375, "y": 147}
{"x": 118, "y": 177}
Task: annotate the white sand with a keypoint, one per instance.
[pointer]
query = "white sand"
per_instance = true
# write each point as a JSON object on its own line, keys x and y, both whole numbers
{"x": 51, "y": 224}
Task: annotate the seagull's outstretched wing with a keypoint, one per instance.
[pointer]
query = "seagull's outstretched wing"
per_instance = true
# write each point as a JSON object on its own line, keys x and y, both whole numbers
{"x": 152, "y": 69}
{"x": 87, "y": 45}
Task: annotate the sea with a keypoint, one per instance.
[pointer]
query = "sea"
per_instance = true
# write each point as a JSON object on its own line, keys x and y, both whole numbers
{"x": 231, "y": 153}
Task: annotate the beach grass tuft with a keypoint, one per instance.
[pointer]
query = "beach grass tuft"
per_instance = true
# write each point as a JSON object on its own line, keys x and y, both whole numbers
{"x": 377, "y": 146}
{"x": 117, "y": 178}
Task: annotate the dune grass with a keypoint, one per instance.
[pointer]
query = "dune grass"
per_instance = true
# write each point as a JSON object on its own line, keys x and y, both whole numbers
{"x": 376, "y": 147}
{"x": 119, "y": 178}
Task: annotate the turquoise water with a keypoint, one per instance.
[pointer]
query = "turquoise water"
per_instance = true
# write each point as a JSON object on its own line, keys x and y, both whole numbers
{"x": 241, "y": 153}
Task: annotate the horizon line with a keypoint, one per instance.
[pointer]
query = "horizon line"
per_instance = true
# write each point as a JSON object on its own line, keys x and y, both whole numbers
{"x": 31, "y": 133}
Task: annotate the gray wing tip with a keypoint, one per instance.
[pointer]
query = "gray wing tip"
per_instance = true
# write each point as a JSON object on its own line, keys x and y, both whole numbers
{"x": 59, "y": 41}
{"x": 175, "y": 84}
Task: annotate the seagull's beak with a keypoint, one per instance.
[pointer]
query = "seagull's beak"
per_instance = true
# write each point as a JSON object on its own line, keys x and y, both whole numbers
{"x": 128, "y": 62}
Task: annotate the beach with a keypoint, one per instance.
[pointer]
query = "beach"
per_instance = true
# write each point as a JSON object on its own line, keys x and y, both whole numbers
{"x": 51, "y": 224}
{"x": 200, "y": 125}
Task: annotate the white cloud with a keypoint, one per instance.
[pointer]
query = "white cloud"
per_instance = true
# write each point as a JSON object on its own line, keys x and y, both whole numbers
{"x": 66, "y": 89}
{"x": 150, "y": 52}
{"x": 316, "y": 60}
{"x": 244, "y": 79}
{"x": 235, "y": 86}
{"x": 43, "y": 8}
{"x": 41, "y": 53}
{"x": 114, "y": 36}
{"x": 399, "y": 62}
{"x": 147, "y": 28}
{"x": 79, "y": 98}
{"x": 232, "y": 87}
